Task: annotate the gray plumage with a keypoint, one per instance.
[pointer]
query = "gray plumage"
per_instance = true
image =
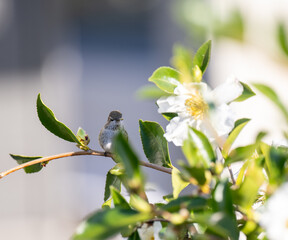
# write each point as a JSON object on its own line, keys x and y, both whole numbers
{"x": 112, "y": 127}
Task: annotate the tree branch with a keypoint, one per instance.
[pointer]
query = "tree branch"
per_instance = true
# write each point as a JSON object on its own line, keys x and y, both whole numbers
{"x": 79, "y": 153}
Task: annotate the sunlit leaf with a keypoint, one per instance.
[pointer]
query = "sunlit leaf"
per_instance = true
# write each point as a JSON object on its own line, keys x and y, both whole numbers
{"x": 150, "y": 92}
{"x": 111, "y": 180}
{"x": 182, "y": 57}
{"x": 189, "y": 202}
{"x": 182, "y": 61}
{"x": 166, "y": 79}
{"x": 197, "y": 173}
{"x": 169, "y": 116}
{"x": 154, "y": 143}
{"x": 246, "y": 194}
{"x": 134, "y": 236}
{"x": 24, "y": 159}
{"x": 139, "y": 204}
{"x": 198, "y": 150}
{"x": 244, "y": 152}
{"x": 49, "y": 121}
{"x": 222, "y": 198}
{"x": 125, "y": 154}
{"x": 108, "y": 222}
{"x": 275, "y": 160}
{"x": 239, "y": 125}
{"x": 202, "y": 56}
{"x": 178, "y": 183}
{"x": 118, "y": 199}
{"x": 220, "y": 224}
{"x": 247, "y": 93}
{"x": 196, "y": 74}
{"x": 282, "y": 38}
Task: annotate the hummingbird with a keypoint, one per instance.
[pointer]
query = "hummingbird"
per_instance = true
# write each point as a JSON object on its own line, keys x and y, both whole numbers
{"x": 113, "y": 126}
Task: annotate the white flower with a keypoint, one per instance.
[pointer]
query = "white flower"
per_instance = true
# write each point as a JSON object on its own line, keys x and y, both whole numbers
{"x": 194, "y": 103}
{"x": 274, "y": 217}
{"x": 150, "y": 232}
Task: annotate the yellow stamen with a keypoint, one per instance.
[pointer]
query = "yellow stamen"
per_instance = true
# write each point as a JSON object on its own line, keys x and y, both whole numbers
{"x": 196, "y": 106}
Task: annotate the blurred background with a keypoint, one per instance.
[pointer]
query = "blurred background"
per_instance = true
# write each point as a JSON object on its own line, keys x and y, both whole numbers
{"x": 87, "y": 58}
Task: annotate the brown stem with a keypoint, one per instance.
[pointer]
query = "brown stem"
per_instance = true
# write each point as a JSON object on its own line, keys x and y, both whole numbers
{"x": 80, "y": 153}
{"x": 231, "y": 174}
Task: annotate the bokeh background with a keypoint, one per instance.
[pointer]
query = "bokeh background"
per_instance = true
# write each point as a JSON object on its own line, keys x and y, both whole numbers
{"x": 87, "y": 58}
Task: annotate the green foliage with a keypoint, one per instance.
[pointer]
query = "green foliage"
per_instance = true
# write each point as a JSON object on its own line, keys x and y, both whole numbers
{"x": 239, "y": 125}
{"x": 154, "y": 144}
{"x": 169, "y": 116}
{"x": 118, "y": 199}
{"x": 178, "y": 183}
{"x": 198, "y": 150}
{"x": 24, "y": 159}
{"x": 247, "y": 93}
{"x": 245, "y": 152}
{"x": 165, "y": 78}
{"x": 209, "y": 209}
{"x": 202, "y": 56}
{"x": 246, "y": 195}
{"x": 150, "y": 92}
{"x": 49, "y": 121}
{"x": 192, "y": 203}
{"x": 108, "y": 222}
{"x": 111, "y": 180}
{"x": 134, "y": 179}
{"x": 282, "y": 38}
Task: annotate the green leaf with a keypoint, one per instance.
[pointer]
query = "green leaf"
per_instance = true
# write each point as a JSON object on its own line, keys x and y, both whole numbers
{"x": 182, "y": 58}
{"x": 247, "y": 93}
{"x": 239, "y": 125}
{"x": 118, "y": 199}
{"x": 245, "y": 152}
{"x": 246, "y": 194}
{"x": 222, "y": 198}
{"x": 108, "y": 222}
{"x": 166, "y": 79}
{"x": 139, "y": 204}
{"x": 150, "y": 92}
{"x": 282, "y": 37}
{"x": 198, "y": 150}
{"x": 134, "y": 236}
{"x": 154, "y": 143}
{"x": 49, "y": 121}
{"x": 198, "y": 173}
{"x": 271, "y": 94}
{"x": 196, "y": 74}
{"x": 275, "y": 160}
{"x": 219, "y": 223}
{"x": 202, "y": 56}
{"x": 83, "y": 137}
{"x": 125, "y": 154}
{"x": 111, "y": 180}
{"x": 117, "y": 170}
{"x": 169, "y": 116}
{"x": 192, "y": 203}
{"x": 23, "y": 159}
{"x": 178, "y": 183}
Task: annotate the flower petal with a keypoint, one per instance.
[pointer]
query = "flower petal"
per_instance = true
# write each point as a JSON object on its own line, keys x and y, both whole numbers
{"x": 227, "y": 91}
{"x": 177, "y": 130}
{"x": 171, "y": 104}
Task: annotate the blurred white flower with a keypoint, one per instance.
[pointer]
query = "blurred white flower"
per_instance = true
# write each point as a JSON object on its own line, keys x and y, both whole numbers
{"x": 274, "y": 216}
{"x": 150, "y": 232}
{"x": 194, "y": 103}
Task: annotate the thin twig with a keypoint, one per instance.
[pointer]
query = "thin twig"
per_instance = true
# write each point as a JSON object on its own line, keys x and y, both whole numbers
{"x": 231, "y": 174}
{"x": 79, "y": 153}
